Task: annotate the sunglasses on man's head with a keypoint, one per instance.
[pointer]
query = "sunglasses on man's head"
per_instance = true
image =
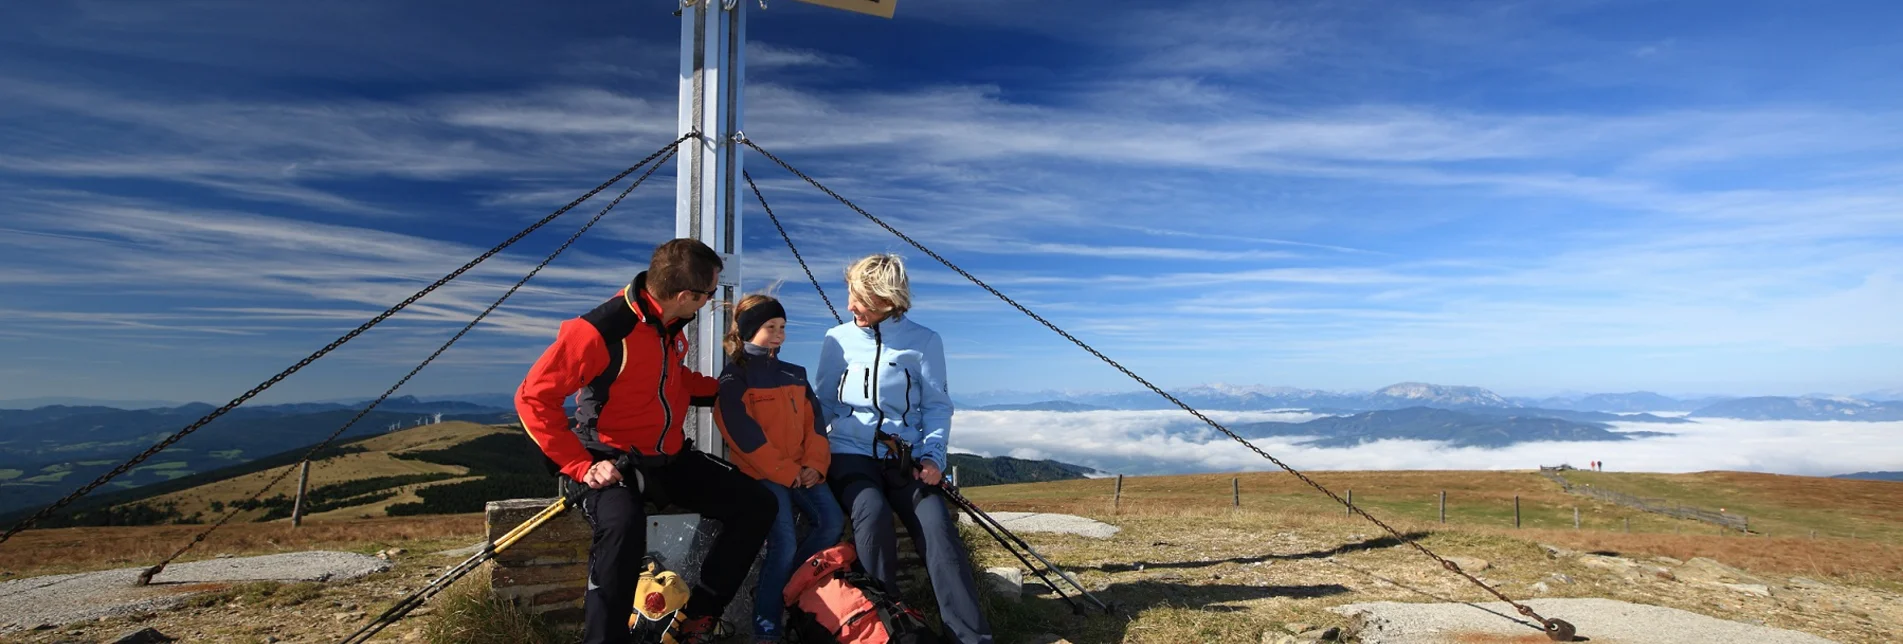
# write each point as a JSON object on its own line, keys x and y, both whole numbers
{"x": 709, "y": 293}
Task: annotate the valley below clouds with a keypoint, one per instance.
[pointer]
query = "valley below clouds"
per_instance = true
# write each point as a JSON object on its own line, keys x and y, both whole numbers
{"x": 1173, "y": 442}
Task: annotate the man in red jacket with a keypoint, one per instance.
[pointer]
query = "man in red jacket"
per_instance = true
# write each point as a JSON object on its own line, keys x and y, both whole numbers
{"x": 624, "y": 363}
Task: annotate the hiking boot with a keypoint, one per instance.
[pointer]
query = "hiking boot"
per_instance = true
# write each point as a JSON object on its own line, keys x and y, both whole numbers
{"x": 696, "y": 630}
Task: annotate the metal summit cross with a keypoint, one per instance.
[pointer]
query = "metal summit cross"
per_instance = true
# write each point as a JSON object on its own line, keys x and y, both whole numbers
{"x": 707, "y": 200}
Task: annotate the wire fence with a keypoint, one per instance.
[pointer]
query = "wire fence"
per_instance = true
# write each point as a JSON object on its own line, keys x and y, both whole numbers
{"x": 1665, "y": 507}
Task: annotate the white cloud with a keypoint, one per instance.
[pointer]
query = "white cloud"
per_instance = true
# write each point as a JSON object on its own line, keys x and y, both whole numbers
{"x": 1166, "y": 442}
{"x": 767, "y": 56}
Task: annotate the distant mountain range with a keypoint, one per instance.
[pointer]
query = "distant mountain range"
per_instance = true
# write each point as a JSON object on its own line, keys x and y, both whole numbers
{"x": 1459, "y": 429}
{"x": 451, "y": 467}
{"x": 1637, "y": 401}
{"x": 1778, "y": 408}
{"x": 1873, "y": 476}
{"x": 49, "y": 451}
{"x": 974, "y": 470}
{"x": 1048, "y": 405}
{"x": 1623, "y": 407}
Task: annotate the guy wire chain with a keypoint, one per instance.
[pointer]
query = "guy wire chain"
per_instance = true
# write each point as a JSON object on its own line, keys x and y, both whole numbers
{"x": 790, "y": 246}
{"x": 1449, "y": 565}
{"x": 235, "y": 402}
{"x": 146, "y": 577}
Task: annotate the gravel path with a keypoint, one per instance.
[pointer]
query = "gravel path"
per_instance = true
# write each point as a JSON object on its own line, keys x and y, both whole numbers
{"x": 1604, "y": 621}
{"x": 1049, "y": 522}
{"x": 62, "y": 599}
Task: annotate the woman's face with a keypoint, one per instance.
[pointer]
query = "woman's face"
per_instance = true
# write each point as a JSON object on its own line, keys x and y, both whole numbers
{"x": 771, "y": 335}
{"x": 868, "y": 310}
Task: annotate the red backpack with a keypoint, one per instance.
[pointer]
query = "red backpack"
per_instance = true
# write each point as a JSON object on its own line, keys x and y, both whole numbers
{"x": 832, "y": 600}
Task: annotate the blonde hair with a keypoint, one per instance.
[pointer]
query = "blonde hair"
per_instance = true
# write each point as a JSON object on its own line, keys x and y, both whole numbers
{"x": 882, "y": 276}
{"x": 732, "y": 342}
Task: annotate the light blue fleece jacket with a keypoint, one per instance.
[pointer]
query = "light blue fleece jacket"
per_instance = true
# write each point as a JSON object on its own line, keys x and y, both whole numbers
{"x": 890, "y": 377}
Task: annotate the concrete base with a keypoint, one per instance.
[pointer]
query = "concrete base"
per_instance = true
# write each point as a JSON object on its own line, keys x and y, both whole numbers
{"x": 1020, "y": 522}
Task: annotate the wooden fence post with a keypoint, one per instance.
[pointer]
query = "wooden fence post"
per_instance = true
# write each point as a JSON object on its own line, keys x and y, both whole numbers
{"x": 1628, "y": 525}
{"x": 303, "y": 486}
{"x": 1235, "y": 486}
{"x": 954, "y": 477}
{"x": 1516, "y": 510}
{"x": 1116, "y": 500}
{"x": 1351, "y": 503}
{"x": 1575, "y": 517}
{"x": 1443, "y": 506}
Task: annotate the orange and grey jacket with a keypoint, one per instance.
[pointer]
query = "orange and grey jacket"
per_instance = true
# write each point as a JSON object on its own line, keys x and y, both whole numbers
{"x": 767, "y": 413}
{"x": 631, "y": 387}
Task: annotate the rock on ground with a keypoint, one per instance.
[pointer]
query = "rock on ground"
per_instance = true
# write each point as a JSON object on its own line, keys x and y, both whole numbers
{"x": 1048, "y": 522}
{"x": 62, "y": 599}
{"x": 1604, "y": 621}
{"x": 1008, "y": 582}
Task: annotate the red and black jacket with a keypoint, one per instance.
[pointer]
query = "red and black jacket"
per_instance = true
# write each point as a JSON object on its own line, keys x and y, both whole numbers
{"x": 632, "y": 390}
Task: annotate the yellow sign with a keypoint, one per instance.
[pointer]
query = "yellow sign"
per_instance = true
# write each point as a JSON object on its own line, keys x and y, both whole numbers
{"x": 880, "y": 8}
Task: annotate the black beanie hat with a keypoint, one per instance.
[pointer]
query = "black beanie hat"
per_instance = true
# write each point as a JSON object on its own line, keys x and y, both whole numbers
{"x": 752, "y": 319}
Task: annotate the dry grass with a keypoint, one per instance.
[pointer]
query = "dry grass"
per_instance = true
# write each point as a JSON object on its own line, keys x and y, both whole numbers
{"x": 1777, "y": 504}
{"x": 36, "y": 552}
{"x": 259, "y": 593}
{"x": 377, "y": 461}
{"x": 1853, "y": 561}
{"x": 469, "y": 613}
{"x": 1782, "y": 505}
{"x": 1863, "y": 561}
{"x": 1203, "y": 575}
{"x": 1190, "y": 567}
{"x": 405, "y": 494}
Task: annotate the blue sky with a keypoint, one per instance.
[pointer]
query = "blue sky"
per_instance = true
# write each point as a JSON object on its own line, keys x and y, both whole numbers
{"x": 1691, "y": 197}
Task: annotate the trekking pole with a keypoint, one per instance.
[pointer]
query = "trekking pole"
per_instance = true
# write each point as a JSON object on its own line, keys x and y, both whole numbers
{"x": 980, "y": 516}
{"x": 489, "y": 551}
{"x": 1055, "y": 587}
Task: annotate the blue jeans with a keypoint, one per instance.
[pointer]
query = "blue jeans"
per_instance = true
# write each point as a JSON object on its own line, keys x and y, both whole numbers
{"x": 819, "y": 506}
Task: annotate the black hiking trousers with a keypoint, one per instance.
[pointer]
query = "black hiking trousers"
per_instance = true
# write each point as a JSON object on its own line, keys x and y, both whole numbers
{"x": 870, "y": 503}
{"x": 697, "y": 482}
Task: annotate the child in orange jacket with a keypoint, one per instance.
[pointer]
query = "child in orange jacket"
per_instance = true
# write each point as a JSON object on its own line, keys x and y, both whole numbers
{"x": 770, "y": 419}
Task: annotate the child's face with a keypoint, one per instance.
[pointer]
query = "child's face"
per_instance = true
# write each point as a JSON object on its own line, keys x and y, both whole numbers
{"x": 771, "y": 335}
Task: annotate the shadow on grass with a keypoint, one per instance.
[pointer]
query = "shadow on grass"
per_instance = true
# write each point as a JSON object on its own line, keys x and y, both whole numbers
{"x": 1044, "y": 614}
{"x": 1358, "y": 546}
{"x": 1135, "y": 597}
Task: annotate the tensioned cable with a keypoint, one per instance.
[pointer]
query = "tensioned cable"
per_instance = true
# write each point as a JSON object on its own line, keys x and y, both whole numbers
{"x": 273, "y": 380}
{"x": 1555, "y": 629}
{"x": 790, "y": 246}
{"x": 146, "y": 577}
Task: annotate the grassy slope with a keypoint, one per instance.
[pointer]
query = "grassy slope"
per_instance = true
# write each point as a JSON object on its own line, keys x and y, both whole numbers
{"x": 1790, "y": 505}
{"x": 376, "y": 461}
{"x": 1211, "y": 573}
{"x": 1779, "y": 505}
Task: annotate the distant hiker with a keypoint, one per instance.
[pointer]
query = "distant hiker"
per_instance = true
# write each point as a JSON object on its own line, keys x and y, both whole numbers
{"x": 882, "y": 385}
{"x": 625, "y": 359}
{"x": 775, "y": 433}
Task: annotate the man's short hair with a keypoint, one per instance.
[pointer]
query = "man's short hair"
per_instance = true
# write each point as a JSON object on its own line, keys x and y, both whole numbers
{"x": 882, "y": 276}
{"x": 682, "y": 265}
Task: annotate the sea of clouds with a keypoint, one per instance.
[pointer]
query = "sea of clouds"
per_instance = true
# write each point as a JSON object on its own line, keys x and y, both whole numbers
{"x": 1173, "y": 442}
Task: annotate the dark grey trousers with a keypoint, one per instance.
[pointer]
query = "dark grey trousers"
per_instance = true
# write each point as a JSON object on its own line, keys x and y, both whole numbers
{"x": 870, "y": 504}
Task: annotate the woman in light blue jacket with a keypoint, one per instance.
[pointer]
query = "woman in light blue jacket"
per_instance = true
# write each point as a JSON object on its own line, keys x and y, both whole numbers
{"x": 881, "y": 383}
